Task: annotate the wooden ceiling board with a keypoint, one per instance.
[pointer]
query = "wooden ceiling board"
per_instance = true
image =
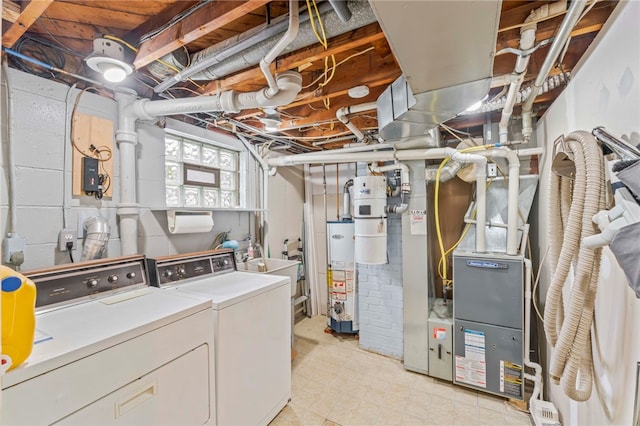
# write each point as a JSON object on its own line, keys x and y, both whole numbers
{"x": 61, "y": 11}
{"x": 139, "y": 7}
{"x": 75, "y": 23}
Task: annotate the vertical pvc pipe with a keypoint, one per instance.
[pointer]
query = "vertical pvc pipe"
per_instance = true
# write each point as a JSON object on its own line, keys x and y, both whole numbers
{"x": 128, "y": 209}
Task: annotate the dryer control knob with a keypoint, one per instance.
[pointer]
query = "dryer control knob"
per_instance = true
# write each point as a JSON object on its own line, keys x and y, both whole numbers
{"x": 112, "y": 278}
{"x": 131, "y": 275}
{"x": 92, "y": 283}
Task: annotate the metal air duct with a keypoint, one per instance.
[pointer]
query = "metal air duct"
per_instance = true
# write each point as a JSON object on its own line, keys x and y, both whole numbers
{"x": 448, "y": 70}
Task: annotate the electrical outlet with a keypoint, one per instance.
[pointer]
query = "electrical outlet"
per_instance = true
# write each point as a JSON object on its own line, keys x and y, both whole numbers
{"x": 10, "y": 245}
{"x": 492, "y": 170}
{"x": 67, "y": 236}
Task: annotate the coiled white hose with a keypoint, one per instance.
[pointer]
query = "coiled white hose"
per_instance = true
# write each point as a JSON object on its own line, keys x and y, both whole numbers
{"x": 573, "y": 202}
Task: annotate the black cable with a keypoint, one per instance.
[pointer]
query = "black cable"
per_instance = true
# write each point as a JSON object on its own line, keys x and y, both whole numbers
{"x": 69, "y": 247}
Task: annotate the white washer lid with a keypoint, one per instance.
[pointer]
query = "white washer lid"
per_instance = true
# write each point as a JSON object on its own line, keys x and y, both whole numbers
{"x": 67, "y": 334}
{"x": 229, "y": 289}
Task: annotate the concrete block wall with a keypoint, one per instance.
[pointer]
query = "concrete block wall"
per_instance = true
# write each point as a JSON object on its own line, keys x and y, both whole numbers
{"x": 380, "y": 297}
{"x": 380, "y": 300}
{"x": 39, "y": 134}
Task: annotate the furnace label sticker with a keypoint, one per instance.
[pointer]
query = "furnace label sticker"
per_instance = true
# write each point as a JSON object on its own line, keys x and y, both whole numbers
{"x": 511, "y": 378}
{"x": 472, "y": 367}
{"x": 418, "y": 221}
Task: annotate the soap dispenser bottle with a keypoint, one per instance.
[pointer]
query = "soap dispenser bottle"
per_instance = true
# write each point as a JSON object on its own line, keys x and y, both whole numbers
{"x": 250, "y": 250}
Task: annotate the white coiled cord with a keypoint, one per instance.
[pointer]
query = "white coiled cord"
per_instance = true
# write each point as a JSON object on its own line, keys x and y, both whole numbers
{"x": 573, "y": 202}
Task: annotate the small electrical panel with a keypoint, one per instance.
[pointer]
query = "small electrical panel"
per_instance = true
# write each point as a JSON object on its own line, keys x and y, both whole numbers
{"x": 90, "y": 175}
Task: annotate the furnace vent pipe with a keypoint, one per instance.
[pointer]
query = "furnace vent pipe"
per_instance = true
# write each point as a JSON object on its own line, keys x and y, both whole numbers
{"x": 346, "y": 201}
{"x": 342, "y": 113}
{"x": 405, "y": 185}
{"x": 570, "y": 20}
{"x": 287, "y": 38}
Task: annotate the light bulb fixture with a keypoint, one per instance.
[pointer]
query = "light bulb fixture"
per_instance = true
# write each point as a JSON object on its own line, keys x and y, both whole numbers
{"x": 271, "y": 122}
{"x": 107, "y": 58}
{"x": 358, "y": 92}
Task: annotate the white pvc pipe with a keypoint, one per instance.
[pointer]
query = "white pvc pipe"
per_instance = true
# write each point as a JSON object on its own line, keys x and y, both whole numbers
{"x": 405, "y": 185}
{"x": 527, "y": 41}
{"x": 342, "y": 113}
{"x": 264, "y": 202}
{"x": 409, "y": 154}
{"x": 12, "y": 225}
{"x": 128, "y": 209}
{"x": 287, "y": 38}
{"x": 537, "y": 379}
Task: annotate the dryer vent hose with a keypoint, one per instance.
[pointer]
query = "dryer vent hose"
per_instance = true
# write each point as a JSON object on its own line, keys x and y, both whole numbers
{"x": 573, "y": 202}
{"x": 97, "y": 233}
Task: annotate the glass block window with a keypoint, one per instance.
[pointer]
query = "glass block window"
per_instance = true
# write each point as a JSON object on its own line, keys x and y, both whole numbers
{"x": 181, "y": 154}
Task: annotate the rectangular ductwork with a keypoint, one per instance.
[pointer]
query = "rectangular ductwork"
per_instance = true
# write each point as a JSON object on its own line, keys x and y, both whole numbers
{"x": 445, "y": 50}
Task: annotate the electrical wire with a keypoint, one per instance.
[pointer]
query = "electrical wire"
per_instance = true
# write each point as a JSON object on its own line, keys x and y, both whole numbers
{"x": 348, "y": 58}
{"x": 535, "y": 285}
{"x": 314, "y": 14}
{"x": 35, "y": 50}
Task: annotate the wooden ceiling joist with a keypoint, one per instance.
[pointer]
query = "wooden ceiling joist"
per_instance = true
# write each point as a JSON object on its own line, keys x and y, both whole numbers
{"x": 209, "y": 18}
{"x": 10, "y": 11}
{"x": 28, "y": 16}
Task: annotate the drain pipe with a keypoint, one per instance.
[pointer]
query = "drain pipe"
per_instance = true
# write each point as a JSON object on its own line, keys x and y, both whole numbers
{"x": 346, "y": 201}
{"x": 342, "y": 113}
{"x": 287, "y": 38}
{"x": 287, "y": 86}
{"x": 527, "y": 41}
{"x": 405, "y": 185}
{"x": 570, "y": 20}
{"x": 126, "y": 139}
{"x": 264, "y": 202}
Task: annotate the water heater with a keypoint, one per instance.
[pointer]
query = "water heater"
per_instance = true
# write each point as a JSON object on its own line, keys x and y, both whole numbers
{"x": 370, "y": 217}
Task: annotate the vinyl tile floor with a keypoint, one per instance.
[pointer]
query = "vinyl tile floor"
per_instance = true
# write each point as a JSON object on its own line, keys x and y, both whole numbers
{"x": 336, "y": 383}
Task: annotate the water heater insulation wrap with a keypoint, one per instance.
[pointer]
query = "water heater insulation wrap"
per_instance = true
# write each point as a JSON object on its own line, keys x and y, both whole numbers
{"x": 370, "y": 217}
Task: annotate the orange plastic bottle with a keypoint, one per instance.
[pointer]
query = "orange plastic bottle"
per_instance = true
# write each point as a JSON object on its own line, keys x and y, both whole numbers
{"x": 18, "y": 318}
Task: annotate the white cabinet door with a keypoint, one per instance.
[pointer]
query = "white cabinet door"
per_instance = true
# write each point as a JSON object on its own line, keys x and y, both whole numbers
{"x": 175, "y": 394}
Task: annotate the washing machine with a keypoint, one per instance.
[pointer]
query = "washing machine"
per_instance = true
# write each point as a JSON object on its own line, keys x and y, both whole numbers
{"x": 252, "y": 331}
{"x": 111, "y": 350}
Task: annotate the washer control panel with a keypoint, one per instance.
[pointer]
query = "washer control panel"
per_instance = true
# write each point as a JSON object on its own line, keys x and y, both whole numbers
{"x": 170, "y": 270}
{"x": 69, "y": 283}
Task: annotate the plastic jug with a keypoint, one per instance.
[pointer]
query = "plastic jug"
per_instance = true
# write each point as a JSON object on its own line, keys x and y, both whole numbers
{"x": 18, "y": 318}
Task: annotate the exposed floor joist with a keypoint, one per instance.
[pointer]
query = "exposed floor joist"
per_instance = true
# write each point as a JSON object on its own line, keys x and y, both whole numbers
{"x": 28, "y": 16}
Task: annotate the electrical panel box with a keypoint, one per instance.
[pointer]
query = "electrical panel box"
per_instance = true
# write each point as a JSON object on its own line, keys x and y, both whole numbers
{"x": 90, "y": 175}
{"x": 441, "y": 341}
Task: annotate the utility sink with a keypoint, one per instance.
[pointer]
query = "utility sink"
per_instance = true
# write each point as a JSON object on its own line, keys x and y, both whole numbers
{"x": 271, "y": 266}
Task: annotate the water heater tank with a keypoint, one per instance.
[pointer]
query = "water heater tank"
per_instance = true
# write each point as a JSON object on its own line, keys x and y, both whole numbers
{"x": 370, "y": 217}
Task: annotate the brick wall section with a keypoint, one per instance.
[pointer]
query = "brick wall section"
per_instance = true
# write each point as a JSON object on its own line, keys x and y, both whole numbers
{"x": 380, "y": 297}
